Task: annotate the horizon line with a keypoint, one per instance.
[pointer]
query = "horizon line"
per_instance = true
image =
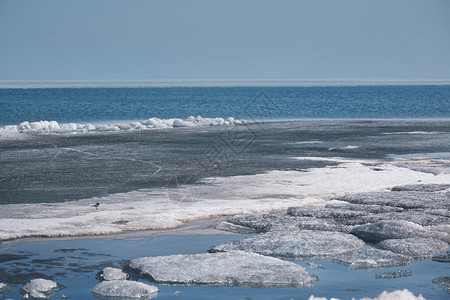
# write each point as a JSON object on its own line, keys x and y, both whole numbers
{"x": 124, "y": 83}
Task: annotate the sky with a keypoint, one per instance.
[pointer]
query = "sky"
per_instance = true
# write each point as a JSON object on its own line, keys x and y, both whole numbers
{"x": 227, "y": 39}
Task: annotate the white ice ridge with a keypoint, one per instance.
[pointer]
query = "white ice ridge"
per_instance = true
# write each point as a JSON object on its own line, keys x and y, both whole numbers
{"x": 152, "y": 123}
{"x": 124, "y": 289}
{"x": 224, "y": 269}
{"x": 168, "y": 208}
{"x": 395, "y": 295}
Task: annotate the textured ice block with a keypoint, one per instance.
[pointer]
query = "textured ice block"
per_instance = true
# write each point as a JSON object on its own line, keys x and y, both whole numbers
{"x": 224, "y": 269}
{"x": 372, "y": 259}
{"x": 296, "y": 244}
{"x": 113, "y": 274}
{"x": 124, "y": 289}
{"x": 415, "y": 247}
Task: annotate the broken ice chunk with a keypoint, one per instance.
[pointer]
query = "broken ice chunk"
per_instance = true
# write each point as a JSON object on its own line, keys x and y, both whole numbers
{"x": 418, "y": 248}
{"x": 124, "y": 289}
{"x": 405, "y": 199}
{"x": 387, "y": 229}
{"x": 40, "y": 288}
{"x": 297, "y": 244}
{"x": 395, "y": 274}
{"x": 442, "y": 258}
{"x": 372, "y": 259}
{"x": 114, "y": 274}
{"x": 224, "y": 269}
{"x": 422, "y": 187}
{"x": 443, "y": 282}
{"x": 345, "y": 216}
{"x": 415, "y": 216}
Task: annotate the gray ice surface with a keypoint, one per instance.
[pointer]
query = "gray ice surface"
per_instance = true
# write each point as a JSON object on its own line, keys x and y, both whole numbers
{"x": 224, "y": 269}
{"x": 295, "y": 244}
{"x": 390, "y": 229}
{"x": 394, "y": 274}
{"x": 403, "y": 199}
{"x": 372, "y": 259}
{"x": 443, "y": 282}
{"x": 418, "y": 248}
{"x": 421, "y": 187}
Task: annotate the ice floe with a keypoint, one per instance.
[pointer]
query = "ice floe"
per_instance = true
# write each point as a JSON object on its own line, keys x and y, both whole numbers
{"x": 296, "y": 244}
{"x": 404, "y": 199}
{"x": 224, "y": 269}
{"x": 443, "y": 282}
{"x": 442, "y": 258}
{"x": 387, "y": 229}
{"x": 40, "y": 288}
{"x": 113, "y": 274}
{"x": 394, "y": 274}
{"x": 415, "y": 247}
{"x": 371, "y": 259}
{"x": 350, "y": 217}
{"x": 416, "y": 216}
{"x": 421, "y": 187}
{"x": 124, "y": 289}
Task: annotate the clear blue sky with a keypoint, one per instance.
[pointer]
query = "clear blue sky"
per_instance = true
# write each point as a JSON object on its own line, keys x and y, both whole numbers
{"x": 227, "y": 39}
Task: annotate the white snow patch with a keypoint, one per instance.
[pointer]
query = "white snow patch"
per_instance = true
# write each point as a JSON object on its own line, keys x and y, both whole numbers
{"x": 395, "y": 295}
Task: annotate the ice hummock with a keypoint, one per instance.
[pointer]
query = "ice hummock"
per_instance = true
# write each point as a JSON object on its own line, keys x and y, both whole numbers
{"x": 4, "y": 290}
{"x": 295, "y": 244}
{"x": 418, "y": 248}
{"x": 47, "y": 127}
{"x": 124, "y": 289}
{"x": 113, "y": 274}
{"x": 371, "y": 259}
{"x": 40, "y": 288}
{"x": 234, "y": 268}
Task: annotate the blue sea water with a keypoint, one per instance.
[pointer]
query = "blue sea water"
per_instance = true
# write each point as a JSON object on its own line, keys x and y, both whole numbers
{"x": 113, "y": 104}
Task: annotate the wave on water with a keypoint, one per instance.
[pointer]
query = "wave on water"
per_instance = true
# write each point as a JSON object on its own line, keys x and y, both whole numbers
{"x": 53, "y": 127}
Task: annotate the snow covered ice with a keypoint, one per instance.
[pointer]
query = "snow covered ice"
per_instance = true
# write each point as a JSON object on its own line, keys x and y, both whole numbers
{"x": 371, "y": 259}
{"x": 224, "y": 269}
{"x": 395, "y": 295}
{"x": 40, "y": 288}
{"x": 124, "y": 289}
{"x": 296, "y": 244}
{"x": 415, "y": 247}
{"x": 113, "y": 274}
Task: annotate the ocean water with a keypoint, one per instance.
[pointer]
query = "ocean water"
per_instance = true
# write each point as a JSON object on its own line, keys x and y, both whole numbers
{"x": 299, "y": 146}
{"x": 93, "y": 105}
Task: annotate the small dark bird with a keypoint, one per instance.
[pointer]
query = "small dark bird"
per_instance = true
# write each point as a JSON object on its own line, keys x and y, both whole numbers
{"x": 96, "y": 205}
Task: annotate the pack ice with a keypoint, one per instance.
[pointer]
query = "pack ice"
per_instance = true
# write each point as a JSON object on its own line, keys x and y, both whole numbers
{"x": 296, "y": 244}
{"x": 234, "y": 268}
